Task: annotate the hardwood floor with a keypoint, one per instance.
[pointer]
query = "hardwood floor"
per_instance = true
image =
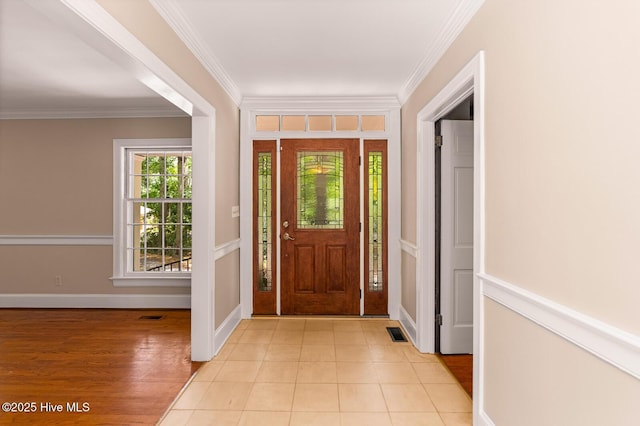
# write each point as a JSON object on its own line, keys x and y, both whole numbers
{"x": 117, "y": 367}
{"x": 461, "y": 366}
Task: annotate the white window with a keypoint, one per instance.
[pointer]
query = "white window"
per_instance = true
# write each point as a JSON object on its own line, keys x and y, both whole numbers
{"x": 152, "y": 212}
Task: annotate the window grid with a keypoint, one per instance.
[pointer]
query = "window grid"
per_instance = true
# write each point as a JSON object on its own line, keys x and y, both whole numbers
{"x": 159, "y": 210}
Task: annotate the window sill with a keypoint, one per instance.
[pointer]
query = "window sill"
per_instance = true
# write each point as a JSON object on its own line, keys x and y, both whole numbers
{"x": 182, "y": 280}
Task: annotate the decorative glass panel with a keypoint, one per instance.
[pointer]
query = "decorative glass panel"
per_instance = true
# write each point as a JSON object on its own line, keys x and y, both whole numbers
{"x": 320, "y": 123}
{"x": 375, "y": 222}
{"x": 346, "y": 122}
{"x": 268, "y": 123}
{"x": 265, "y": 215}
{"x": 294, "y": 123}
{"x": 320, "y": 203}
{"x": 373, "y": 123}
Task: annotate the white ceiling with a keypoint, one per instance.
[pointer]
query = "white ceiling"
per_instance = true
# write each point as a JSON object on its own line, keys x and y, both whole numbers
{"x": 46, "y": 70}
{"x": 253, "y": 47}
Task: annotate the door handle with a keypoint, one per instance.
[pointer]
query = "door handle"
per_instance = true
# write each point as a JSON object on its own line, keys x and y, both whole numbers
{"x": 288, "y": 237}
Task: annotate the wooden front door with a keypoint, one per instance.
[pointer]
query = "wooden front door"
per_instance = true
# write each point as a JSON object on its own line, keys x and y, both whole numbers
{"x": 319, "y": 229}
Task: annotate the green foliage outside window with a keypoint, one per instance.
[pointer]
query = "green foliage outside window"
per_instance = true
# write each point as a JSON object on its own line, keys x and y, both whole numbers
{"x": 165, "y": 184}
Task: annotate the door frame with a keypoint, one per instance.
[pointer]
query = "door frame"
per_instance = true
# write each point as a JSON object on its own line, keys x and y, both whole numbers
{"x": 469, "y": 80}
{"x": 389, "y": 107}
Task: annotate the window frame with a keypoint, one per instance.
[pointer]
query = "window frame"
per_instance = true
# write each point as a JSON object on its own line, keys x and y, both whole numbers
{"x": 122, "y": 277}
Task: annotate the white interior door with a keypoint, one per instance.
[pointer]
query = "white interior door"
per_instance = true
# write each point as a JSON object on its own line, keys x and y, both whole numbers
{"x": 456, "y": 256}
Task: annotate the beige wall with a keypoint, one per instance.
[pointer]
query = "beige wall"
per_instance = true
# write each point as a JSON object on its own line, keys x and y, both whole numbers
{"x": 408, "y": 296}
{"x": 57, "y": 179}
{"x": 227, "y": 286}
{"x": 562, "y": 194}
{"x": 584, "y": 391}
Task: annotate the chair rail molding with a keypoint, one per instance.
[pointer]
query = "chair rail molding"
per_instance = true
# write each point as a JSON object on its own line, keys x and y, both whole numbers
{"x": 612, "y": 345}
{"x": 226, "y": 248}
{"x": 56, "y": 240}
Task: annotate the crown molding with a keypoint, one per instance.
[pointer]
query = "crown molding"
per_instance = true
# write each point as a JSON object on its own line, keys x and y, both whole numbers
{"x": 454, "y": 26}
{"x": 70, "y": 113}
{"x": 178, "y": 21}
{"x": 321, "y": 103}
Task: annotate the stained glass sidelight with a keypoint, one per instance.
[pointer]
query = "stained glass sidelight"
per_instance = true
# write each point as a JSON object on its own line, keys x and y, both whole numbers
{"x": 320, "y": 190}
{"x": 265, "y": 214}
{"x": 376, "y": 275}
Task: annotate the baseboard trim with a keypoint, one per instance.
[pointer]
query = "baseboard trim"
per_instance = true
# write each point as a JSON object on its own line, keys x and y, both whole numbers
{"x": 409, "y": 325}
{"x": 224, "y": 249}
{"x": 107, "y": 301}
{"x": 56, "y": 240}
{"x": 613, "y": 345}
{"x": 484, "y": 419}
{"x": 223, "y": 332}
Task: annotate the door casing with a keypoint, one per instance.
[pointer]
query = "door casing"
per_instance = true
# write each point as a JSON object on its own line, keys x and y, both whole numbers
{"x": 468, "y": 81}
{"x": 387, "y": 106}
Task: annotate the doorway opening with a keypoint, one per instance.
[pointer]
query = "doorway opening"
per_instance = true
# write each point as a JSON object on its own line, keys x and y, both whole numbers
{"x": 454, "y": 241}
{"x": 453, "y": 164}
{"x": 469, "y": 81}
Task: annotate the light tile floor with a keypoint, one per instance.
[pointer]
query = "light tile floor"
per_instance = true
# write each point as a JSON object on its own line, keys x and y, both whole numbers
{"x": 320, "y": 371}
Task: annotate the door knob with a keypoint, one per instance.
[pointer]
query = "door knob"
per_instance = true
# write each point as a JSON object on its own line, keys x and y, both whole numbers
{"x": 288, "y": 237}
{"x": 285, "y": 224}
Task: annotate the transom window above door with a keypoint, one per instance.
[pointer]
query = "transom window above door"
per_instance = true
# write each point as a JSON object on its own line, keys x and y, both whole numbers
{"x": 320, "y": 123}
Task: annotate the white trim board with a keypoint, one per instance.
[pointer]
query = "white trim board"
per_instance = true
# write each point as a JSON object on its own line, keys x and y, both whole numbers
{"x": 484, "y": 419}
{"x": 320, "y": 104}
{"x": 104, "y": 301}
{"x": 469, "y": 80}
{"x": 223, "y": 332}
{"x": 614, "y": 346}
{"x": 409, "y": 248}
{"x": 226, "y": 248}
{"x": 56, "y": 240}
{"x": 408, "y": 324}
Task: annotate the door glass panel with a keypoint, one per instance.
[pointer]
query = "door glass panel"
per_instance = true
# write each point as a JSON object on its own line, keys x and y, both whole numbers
{"x": 265, "y": 212}
{"x": 320, "y": 190}
{"x": 375, "y": 222}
